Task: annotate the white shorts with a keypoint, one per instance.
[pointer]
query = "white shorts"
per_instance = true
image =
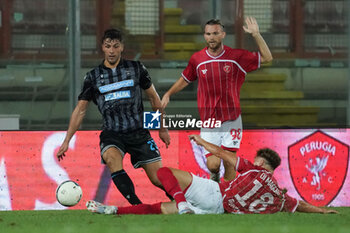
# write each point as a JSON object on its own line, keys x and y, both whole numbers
{"x": 204, "y": 196}
{"x": 228, "y": 136}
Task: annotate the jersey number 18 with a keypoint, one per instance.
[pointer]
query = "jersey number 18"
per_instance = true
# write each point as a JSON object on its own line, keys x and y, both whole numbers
{"x": 264, "y": 200}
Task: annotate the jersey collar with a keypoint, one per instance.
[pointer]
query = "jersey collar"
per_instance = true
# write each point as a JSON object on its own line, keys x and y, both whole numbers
{"x": 105, "y": 67}
{"x": 261, "y": 168}
{"x": 222, "y": 53}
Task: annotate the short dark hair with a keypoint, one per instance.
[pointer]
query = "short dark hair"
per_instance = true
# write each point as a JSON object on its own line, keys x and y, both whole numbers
{"x": 215, "y": 22}
{"x": 271, "y": 157}
{"x": 113, "y": 34}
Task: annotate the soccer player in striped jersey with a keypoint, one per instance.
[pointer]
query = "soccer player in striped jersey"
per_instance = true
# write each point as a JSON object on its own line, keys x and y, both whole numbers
{"x": 220, "y": 71}
{"x": 253, "y": 191}
{"x": 116, "y": 86}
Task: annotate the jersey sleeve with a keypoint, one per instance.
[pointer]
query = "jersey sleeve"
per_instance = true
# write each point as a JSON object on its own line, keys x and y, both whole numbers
{"x": 243, "y": 165}
{"x": 87, "y": 92}
{"x": 249, "y": 61}
{"x": 189, "y": 73}
{"x": 290, "y": 204}
{"x": 145, "y": 78}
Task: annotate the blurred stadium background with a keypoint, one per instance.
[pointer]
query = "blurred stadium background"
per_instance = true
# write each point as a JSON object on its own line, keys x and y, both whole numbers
{"x": 46, "y": 47}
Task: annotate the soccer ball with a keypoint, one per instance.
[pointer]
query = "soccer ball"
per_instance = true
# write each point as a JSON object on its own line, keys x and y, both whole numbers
{"x": 69, "y": 193}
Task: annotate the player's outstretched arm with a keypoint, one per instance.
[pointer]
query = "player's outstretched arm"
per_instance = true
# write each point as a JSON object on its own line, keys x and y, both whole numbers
{"x": 157, "y": 105}
{"x": 252, "y": 27}
{"x": 176, "y": 87}
{"x": 227, "y": 156}
{"x": 75, "y": 121}
{"x": 307, "y": 208}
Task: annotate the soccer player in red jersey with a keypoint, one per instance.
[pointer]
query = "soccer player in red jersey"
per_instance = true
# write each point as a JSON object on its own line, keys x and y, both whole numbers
{"x": 253, "y": 191}
{"x": 220, "y": 71}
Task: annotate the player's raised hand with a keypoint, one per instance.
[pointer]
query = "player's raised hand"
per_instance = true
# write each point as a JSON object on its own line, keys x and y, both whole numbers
{"x": 164, "y": 136}
{"x": 61, "y": 152}
{"x": 252, "y": 26}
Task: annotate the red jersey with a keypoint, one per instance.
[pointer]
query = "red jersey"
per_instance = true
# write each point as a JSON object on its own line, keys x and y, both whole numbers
{"x": 219, "y": 81}
{"x": 255, "y": 191}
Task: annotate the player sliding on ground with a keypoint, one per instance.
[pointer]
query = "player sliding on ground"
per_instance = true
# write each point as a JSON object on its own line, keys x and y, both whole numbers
{"x": 254, "y": 190}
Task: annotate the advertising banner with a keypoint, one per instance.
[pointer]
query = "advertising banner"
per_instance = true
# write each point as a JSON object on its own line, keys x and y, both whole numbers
{"x": 314, "y": 166}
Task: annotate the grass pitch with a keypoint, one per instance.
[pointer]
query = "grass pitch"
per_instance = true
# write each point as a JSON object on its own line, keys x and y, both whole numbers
{"x": 75, "y": 221}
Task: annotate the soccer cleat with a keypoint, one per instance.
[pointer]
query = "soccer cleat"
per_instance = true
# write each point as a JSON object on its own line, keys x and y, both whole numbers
{"x": 215, "y": 177}
{"x": 97, "y": 207}
{"x": 184, "y": 208}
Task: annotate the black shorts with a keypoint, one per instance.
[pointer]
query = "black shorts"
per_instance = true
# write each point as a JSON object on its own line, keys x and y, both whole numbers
{"x": 139, "y": 144}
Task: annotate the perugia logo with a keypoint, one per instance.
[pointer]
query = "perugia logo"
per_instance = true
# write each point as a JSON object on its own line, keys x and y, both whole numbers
{"x": 227, "y": 68}
{"x": 318, "y": 164}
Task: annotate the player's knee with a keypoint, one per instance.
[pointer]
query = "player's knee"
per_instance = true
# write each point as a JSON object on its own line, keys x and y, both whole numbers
{"x": 213, "y": 166}
{"x": 213, "y": 169}
{"x": 155, "y": 181}
{"x": 113, "y": 161}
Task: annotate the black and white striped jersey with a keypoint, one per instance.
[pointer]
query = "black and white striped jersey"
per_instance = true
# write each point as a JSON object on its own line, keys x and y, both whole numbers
{"x": 117, "y": 93}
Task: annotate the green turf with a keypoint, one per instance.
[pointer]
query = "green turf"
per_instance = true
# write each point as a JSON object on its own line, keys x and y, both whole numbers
{"x": 75, "y": 221}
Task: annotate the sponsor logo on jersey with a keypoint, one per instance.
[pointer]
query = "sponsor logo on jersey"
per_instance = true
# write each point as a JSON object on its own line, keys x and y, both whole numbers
{"x": 117, "y": 95}
{"x": 116, "y": 86}
{"x": 318, "y": 165}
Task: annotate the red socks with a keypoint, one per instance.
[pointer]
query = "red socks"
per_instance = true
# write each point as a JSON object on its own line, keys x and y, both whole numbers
{"x": 170, "y": 184}
{"x": 141, "y": 209}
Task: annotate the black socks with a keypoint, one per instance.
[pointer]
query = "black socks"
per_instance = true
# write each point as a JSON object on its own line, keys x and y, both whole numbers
{"x": 125, "y": 186}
